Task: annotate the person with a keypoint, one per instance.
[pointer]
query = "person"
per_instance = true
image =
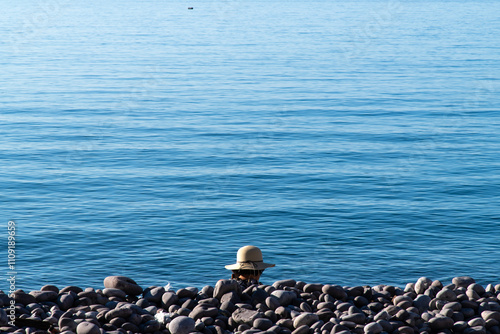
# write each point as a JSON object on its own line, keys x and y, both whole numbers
{"x": 249, "y": 265}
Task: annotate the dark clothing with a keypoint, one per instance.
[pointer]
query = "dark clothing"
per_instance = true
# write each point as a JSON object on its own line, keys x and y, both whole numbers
{"x": 247, "y": 283}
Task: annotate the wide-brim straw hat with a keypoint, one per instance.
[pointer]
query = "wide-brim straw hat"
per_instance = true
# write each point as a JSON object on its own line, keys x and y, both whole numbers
{"x": 249, "y": 258}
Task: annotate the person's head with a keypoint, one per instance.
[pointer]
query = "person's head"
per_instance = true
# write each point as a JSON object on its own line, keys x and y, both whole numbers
{"x": 249, "y": 264}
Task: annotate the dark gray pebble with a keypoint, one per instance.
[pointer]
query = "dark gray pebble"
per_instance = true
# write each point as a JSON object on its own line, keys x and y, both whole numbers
{"x": 224, "y": 286}
{"x": 463, "y": 281}
{"x": 262, "y": 324}
{"x": 181, "y": 325}
{"x": 126, "y": 284}
{"x": 169, "y": 298}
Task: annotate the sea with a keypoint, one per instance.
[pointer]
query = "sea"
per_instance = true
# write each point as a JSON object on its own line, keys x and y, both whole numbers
{"x": 356, "y": 142}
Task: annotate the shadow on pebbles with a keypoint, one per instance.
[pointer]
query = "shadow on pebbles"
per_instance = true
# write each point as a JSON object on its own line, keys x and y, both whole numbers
{"x": 286, "y": 307}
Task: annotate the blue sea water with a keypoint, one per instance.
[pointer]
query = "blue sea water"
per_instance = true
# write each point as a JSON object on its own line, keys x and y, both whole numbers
{"x": 355, "y": 142}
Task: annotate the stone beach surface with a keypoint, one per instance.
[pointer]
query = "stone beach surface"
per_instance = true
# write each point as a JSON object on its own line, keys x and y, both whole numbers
{"x": 285, "y": 307}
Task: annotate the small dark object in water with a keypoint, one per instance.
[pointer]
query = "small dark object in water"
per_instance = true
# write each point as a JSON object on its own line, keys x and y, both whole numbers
{"x": 190, "y": 7}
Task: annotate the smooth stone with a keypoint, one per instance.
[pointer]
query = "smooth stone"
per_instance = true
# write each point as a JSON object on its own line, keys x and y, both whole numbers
{"x": 487, "y": 315}
{"x": 154, "y": 295}
{"x": 49, "y": 287}
{"x": 325, "y": 314}
{"x": 122, "y": 312}
{"x": 459, "y": 326}
{"x": 305, "y": 307}
{"x": 476, "y": 322}
{"x": 87, "y": 328}
{"x": 399, "y": 299}
{"x": 285, "y": 323}
{"x": 259, "y": 296}
{"x": 189, "y": 292}
{"x": 475, "y": 330}
{"x": 113, "y": 292}
{"x": 312, "y": 287}
{"x": 473, "y": 295}
{"x": 65, "y": 301}
{"x": 338, "y": 328}
{"x": 455, "y": 306}
{"x": 224, "y": 286}
{"x": 463, "y": 281}
{"x": 358, "y": 318}
{"x": 128, "y": 326}
{"x": 23, "y": 297}
{"x": 410, "y": 287}
{"x": 386, "y": 325}
{"x": 228, "y": 306}
{"x": 67, "y": 322}
{"x": 404, "y": 330}
{"x": 262, "y": 323}
{"x": 285, "y": 297}
{"x": 250, "y": 331}
{"x": 128, "y": 285}
{"x": 151, "y": 326}
{"x": 479, "y": 289}
{"x": 246, "y": 316}
{"x": 373, "y": 328}
{"x": 169, "y": 298}
{"x": 422, "y": 284}
{"x": 447, "y": 295}
{"x": 71, "y": 288}
{"x": 440, "y": 323}
{"x": 287, "y": 282}
{"x": 422, "y": 303}
{"x": 203, "y": 310}
{"x": 272, "y": 302}
{"x": 336, "y": 291}
{"x": 189, "y": 303}
{"x": 232, "y": 297}
{"x": 181, "y": 325}
{"x": 304, "y": 329}
{"x": 305, "y": 319}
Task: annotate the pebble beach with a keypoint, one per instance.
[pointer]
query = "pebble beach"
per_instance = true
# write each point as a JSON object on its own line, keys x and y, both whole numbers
{"x": 123, "y": 306}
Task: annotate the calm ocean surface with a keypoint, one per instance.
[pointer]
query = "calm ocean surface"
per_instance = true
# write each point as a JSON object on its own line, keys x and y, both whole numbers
{"x": 355, "y": 142}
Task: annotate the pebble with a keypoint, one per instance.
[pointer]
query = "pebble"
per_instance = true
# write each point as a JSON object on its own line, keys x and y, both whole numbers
{"x": 286, "y": 307}
{"x": 126, "y": 284}
{"x": 181, "y": 325}
{"x": 87, "y": 328}
{"x": 305, "y": 319}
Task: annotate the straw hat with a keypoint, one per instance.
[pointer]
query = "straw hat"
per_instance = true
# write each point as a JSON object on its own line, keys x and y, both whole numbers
{"x": 249, "y": 257}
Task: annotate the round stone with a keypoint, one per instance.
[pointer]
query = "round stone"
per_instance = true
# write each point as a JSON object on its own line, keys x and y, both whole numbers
{"x": 113, "y": 292}
{"x": 87, "y": 328}
{"x": 463, "y": 281}
{"x": 422, "y": 284}
{"x": 305, "y": 318}
{"x": 304, "y": 329}
{"x": 262, "y": 324}
{"x": 422, "y": 303}
{"x": 447, "y": 295}
{"x": 487, "y": 315}
{"x": 50, "y": 288}
{"x": 284, "y": 283}
{"x": 154, "y": 295}
{"x": 126, "y": 284}
{"x": 440, "y": 323}
{"x": 224, "y": 286}
{"x": 476, "y": 322}
{"x": 373, "y": 328}
{"x": 285, "y": 297}
{"x": 189, "y": 292}
{"x": 272, "y": 302}
{"x": 181, "y": 325}
{"x": 169, "y": 298}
